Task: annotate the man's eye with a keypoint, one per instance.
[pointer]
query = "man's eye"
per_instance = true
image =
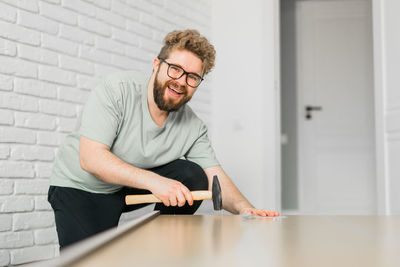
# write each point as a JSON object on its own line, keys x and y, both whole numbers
{"x": 193, "y": 77}
{"x": 175, "y": 68}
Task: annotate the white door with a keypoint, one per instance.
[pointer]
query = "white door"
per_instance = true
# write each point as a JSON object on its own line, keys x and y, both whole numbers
{"x": 335, "y": 82}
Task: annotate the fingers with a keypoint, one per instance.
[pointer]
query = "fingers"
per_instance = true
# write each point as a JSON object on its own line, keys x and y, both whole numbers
{"x": 269, "y": 213}
{"x": 172, "y": 200}
{"x": 263, "y": 213}
{"x": 181, "y": 199}
{"x": 188, "y": 195}
{"x": 178, "y": 195}
{"x": 165, "y": 201}
{"x": 183, "y": 195}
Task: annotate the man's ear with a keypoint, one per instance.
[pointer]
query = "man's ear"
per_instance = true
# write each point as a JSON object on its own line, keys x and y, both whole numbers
{"x": 156, "y": 64}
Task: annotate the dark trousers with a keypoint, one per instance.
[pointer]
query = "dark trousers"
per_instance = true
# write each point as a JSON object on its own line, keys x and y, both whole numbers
{"x": 80, "y": 214}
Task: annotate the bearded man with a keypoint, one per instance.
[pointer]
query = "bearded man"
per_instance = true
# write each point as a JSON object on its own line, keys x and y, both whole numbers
{"x": 136, "y": 135}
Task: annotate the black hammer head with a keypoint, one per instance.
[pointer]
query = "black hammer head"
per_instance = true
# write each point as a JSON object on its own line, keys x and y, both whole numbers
{"x": 216, "y": 194}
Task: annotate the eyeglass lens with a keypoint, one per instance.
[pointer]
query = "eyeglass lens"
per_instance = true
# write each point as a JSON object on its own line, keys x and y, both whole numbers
{"x": 175, "y": 72}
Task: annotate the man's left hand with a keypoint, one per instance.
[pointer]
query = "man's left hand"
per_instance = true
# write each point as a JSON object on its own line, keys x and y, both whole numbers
{"x": 263, "y": 213}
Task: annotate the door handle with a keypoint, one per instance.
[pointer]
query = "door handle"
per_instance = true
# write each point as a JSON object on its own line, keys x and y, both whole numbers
{"x": 311, "y": 108}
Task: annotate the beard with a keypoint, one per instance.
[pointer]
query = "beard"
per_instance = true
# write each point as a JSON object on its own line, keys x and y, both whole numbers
{"x": 168, "y": 105}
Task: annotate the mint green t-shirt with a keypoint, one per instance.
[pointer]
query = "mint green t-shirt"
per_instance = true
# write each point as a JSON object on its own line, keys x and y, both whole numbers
{"x": 117, "y": 115}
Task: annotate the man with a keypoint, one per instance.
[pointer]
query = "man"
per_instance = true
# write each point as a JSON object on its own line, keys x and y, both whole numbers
{"x": 136, "y": 135}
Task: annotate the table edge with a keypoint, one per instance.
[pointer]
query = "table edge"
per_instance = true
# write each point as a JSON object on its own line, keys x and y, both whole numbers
{"x": 83, "y": 248}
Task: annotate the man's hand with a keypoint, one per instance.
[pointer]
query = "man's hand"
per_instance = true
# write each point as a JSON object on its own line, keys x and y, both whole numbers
{"x": 171, "y": 192}
{"x": 232, "y": 200}
{"x": 263, "y": 213}
{"x": 97, "y": 159}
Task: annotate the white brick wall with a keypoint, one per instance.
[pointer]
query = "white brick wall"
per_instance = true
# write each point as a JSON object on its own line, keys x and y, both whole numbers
{"x": 52, "y": 52}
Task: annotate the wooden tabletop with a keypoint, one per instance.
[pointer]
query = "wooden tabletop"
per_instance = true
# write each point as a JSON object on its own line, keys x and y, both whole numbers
{"x": 228, "y": 240}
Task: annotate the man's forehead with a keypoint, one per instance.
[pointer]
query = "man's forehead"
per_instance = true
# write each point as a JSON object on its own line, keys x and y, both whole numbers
{"x": 186, "y": 59}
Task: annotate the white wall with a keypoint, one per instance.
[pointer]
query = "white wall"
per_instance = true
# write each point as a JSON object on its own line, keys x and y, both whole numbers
{"x": 51, "y": 54}
{"x": 245, "y": 101}
{"x": 387, "y": 94}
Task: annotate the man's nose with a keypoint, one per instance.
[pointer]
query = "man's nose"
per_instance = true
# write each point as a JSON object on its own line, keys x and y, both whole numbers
{"x": 182, "y": 80}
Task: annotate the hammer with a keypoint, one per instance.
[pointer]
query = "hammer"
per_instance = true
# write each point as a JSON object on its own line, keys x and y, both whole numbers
{"x": 215, "y": 195}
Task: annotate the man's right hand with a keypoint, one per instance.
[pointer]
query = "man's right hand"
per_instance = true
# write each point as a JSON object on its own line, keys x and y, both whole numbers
{"x": 111, "y": 169}
{"x": 171, "y": 192}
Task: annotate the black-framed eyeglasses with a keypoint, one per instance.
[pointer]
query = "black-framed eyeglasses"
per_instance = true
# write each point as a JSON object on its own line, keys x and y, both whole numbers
{"x": 175, "y": 72}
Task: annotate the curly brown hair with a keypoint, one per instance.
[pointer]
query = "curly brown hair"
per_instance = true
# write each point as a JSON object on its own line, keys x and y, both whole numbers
{"x": 192, "y": 41}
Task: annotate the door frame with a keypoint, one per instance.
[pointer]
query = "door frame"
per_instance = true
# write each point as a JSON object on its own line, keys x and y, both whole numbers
{"x": 382, "y": 178}
{"x": 277, "y": 87}
{"x": 308, "y": 181}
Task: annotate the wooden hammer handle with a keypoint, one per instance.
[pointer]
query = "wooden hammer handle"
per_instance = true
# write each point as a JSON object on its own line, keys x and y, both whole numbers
{"x": 149, "y": 198}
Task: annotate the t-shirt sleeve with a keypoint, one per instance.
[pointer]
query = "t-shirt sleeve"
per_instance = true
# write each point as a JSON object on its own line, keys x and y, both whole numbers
{"x": 101, "y": 114}
{"x": 201, "y": 152}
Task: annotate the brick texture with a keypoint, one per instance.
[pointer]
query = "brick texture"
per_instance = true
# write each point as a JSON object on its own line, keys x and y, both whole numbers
{"x": 52, "y": 53}
{"x": 4, "y": 257}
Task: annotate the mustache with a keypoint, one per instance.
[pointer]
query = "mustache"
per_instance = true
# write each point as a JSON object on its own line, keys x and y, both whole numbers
{"x": 183, "y": 89}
